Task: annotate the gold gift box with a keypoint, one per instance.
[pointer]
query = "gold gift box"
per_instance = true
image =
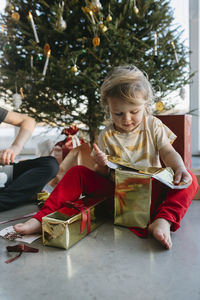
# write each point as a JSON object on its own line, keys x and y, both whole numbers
{"x": 164, "y": 175}
{"x": 133, "y": 190}
{"x": 63, "y": 230}
{"x": 132, "y": 199}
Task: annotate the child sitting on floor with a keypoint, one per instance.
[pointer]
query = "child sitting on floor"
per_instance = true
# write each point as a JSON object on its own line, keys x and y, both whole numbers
{"x": 135, "y": 136}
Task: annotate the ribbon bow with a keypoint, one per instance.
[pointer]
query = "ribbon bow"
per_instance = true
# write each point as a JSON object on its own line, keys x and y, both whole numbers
{"x": 70, "y": 131}
{"x": 71, "y": 141}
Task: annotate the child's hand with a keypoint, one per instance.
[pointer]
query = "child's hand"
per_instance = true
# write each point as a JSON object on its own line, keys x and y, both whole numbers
{"x": 182, "y": 175}
{"x": 99, "y": 156}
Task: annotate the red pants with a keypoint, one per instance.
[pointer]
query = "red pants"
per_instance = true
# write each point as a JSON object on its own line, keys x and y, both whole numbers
{"x": 80, "y": 180}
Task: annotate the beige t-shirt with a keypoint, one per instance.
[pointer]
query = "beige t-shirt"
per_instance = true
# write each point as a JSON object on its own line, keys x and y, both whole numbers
{"x": 141, "y": 146}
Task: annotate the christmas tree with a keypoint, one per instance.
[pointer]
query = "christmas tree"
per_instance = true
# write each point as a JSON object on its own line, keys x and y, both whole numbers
{"x": 57, "y": 53}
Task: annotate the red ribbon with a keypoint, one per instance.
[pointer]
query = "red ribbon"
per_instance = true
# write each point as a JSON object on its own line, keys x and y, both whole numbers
{"x": 86, "y": 217}
{"x": 67, "y": 144}
{"x": 19, "y": 248}
{"x": 70, "y": 131}
{"x": 121, "y": 195}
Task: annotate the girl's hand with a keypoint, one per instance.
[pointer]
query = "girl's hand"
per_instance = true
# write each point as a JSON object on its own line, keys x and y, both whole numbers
{"x": 99, "y": 156}
{"x": 182, "y": 175}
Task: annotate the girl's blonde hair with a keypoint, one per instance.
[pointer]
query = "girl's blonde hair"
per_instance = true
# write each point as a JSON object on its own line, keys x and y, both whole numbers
{"x": 127, "y": 83}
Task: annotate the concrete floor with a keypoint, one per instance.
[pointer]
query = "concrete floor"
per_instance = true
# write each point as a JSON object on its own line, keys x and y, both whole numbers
{"x": 110, "y": 263}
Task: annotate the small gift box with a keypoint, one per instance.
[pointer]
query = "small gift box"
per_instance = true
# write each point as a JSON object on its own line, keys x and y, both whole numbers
{"x": 62, "y": 148}
{"x": 70, "y": 224}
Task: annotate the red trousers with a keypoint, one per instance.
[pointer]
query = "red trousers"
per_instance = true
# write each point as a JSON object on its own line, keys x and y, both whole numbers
{"x": 166, "y": 203}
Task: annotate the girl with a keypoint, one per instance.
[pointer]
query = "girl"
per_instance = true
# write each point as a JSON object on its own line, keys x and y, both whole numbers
{"x": 135, "y": 136}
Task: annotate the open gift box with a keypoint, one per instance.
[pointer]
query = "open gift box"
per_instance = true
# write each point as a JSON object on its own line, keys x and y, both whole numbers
{"x": 70, "y": 224}
{"x": 133, "y": 185}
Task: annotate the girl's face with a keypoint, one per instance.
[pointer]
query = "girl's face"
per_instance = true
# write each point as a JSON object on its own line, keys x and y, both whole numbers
{"x": 125, "y": 116}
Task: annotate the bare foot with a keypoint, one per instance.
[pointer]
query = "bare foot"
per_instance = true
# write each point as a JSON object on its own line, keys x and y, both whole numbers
{"x": 160, "y": 229}
{"x": 29, "y": 227}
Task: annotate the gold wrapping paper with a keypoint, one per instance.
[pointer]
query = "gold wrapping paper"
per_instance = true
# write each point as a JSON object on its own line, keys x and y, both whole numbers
{"x": 132, "y": 199}
{"x": 63, "y": 231}
{"x": 164, "y": 175}
{"x": 141, "y": 169}
{"x": 41, "y": 198}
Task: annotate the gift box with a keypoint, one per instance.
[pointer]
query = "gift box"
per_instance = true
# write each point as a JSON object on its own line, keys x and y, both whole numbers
{"x": 133, "y": 185}
{"x": 181, "y": 125}
{"x": 132, "y": 199}
{"x": 62, "y": 148}
{"x": 70, "y": 224}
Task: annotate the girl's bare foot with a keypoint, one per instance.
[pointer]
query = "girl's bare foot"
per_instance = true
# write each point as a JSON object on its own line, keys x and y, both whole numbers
{"x": 160, "y": 229}
{"x": 29, "y": 227}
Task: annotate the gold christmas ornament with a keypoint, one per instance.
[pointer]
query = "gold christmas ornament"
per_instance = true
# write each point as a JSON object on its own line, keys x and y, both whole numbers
{"x": 63, "y": 24}
{"x": 160, "y": 106}
{"x": 96, "y": 41}
{"x": 15, "y": 16}
{"x": 135, "y": 9}
{"x": 104, "y": 28}
{"x": 74, "y": 68}
{"x": 46, "y": 48}
{"x": 109, "y": 18}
